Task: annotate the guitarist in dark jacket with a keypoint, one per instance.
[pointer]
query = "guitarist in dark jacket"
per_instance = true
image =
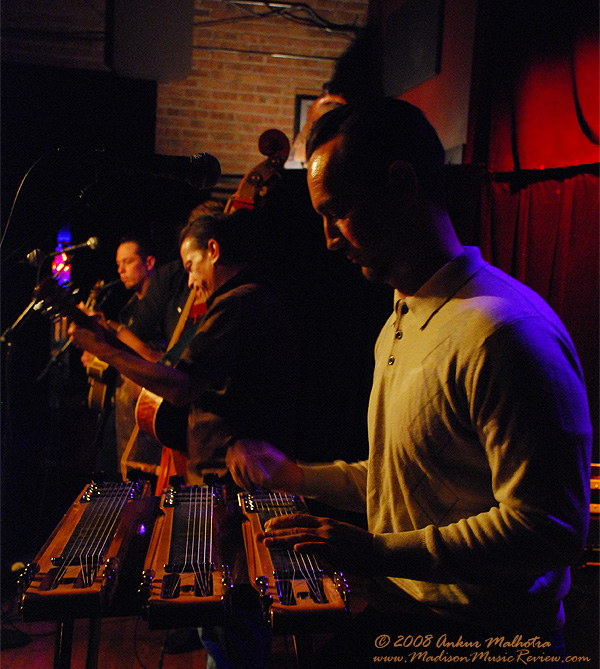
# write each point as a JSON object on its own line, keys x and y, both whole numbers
{"x": 238, "y": 367}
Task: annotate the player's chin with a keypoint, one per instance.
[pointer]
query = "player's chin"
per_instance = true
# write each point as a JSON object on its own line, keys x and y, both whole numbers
{"x": 374, "y": 274}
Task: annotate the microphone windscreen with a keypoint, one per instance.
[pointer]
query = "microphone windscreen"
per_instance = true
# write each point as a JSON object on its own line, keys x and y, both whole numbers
{"x": 205, "y": 171}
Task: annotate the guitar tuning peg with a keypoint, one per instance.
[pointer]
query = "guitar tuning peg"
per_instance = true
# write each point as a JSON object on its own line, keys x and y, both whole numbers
{"x": 211, "y": 479}
{"x": 176, "y": 481}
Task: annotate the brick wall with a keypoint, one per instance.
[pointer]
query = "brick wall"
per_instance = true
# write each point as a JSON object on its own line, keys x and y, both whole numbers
{"x": 237, "y": 90}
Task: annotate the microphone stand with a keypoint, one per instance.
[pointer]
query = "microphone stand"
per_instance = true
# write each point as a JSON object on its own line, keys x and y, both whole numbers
{"x": 34, "y": 305}
{"x": 53, "y": 359}
{"x": 79, "y": 201}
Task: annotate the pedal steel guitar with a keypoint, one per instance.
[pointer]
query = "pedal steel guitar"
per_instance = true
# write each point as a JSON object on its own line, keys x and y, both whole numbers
{"x": 295, "y": 592}
{"x": 184, "y": 581}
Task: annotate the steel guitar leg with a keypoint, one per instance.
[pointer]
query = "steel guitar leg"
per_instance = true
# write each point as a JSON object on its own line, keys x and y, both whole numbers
{"x": 91, "y": 661}
{"x": 63, "y": 642}
{"x": 304, "y": 651}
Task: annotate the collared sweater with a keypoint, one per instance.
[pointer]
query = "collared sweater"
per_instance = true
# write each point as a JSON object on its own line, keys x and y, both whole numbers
{"x": 477, "y": 484}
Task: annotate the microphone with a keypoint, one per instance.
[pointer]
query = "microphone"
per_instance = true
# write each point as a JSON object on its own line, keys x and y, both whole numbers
{"x": 109, "y": 286}
{"x": 105, "y": 292}
{"x": 91, "y": 243}
{"x": 201, "y": 170}
{"x": 36, "y": 257}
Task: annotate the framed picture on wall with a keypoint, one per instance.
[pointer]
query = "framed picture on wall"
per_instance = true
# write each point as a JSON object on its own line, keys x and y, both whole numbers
{"x": 303, "y": 103}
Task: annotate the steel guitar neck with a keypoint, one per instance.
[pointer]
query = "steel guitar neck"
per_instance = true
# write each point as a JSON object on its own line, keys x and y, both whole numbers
{"x": 293, "y": 586}
{"x": 184, "y": 580}
{"x": 77, "y": 570}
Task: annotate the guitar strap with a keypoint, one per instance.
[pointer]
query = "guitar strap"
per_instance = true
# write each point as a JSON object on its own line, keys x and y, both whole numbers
{"x": 167, "y": 463}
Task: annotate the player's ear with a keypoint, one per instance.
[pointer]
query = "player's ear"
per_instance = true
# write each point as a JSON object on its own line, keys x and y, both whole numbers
{"x": 150, "y": 263}
{"x": 213, "y": 250}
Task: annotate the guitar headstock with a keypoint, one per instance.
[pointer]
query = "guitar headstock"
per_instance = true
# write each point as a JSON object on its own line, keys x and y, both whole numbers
{"x": 55, "y": 299}
{"x": 93, "y": 296}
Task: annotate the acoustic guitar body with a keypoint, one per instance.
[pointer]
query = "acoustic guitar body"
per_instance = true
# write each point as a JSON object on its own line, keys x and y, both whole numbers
{"x": 161, "y": 420}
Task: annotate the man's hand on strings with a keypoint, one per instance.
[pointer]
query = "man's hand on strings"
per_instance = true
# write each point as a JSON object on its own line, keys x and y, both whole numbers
{"x": 256, "y": 463}
{"x": 90, "y": 339}
{"x": 87, "y": 358}
{"x": 97, "y": 315}
{"x": 344, "y": 546}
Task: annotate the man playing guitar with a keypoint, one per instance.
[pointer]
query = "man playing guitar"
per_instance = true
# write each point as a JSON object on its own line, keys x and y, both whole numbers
{"x": 238, "y": 365}
{"x": 136, "y": 265}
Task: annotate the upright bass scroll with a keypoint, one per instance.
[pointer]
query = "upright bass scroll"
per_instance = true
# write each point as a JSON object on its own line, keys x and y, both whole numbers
{"x": 256, "y": 184}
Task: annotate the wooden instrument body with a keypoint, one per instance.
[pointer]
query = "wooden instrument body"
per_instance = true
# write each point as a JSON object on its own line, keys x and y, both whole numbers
{"x": 164, "y": 422}
{"x": 290, "y": 601}
{"x": 173, "y": 595}
{"x": 101, "y": 377}
{"x": 101, "y": 382}
{"x": 53, "y": 588}
{"x": 148, "y": 409}
{"x": 265, "y": 176}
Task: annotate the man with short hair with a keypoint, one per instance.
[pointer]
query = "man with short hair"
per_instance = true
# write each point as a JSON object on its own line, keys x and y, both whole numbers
{"x": 237, "y": 378}
{"x": 135, "y": 264}
{"x": 238, "y": 364}
{"x": 476, "y": 487}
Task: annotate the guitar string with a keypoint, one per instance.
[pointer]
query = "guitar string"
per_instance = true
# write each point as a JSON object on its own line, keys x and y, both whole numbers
{"x": 193, "y": 556}
{"x": 83, "y": 535}
{"x": 197, "y": 504}
{"x": 278, "y": 504}
{"x": 179, "y": 567}
{"x": 309, "y": 567}
{"x": 208, "y": 535}
{"x": 105, "y": 508}
{"x": 208, "y": 555}
{"x": 201, "y": 564}
{"x": 114, "y": 505}
{"x": 301, "y": 562}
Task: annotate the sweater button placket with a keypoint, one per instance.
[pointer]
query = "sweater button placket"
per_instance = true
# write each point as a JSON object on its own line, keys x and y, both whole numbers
{"x": 402, "y": 310}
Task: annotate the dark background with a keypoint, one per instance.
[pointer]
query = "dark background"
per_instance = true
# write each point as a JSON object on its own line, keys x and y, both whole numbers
{"x": 62, "y": 141}
{"x": 58, "y": 125}
{"x": 509, "y": 203}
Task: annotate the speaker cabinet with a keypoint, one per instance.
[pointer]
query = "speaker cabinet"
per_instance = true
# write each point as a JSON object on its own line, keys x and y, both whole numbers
{"x": 412, "y": 44}
{"x": 150, "y": 39}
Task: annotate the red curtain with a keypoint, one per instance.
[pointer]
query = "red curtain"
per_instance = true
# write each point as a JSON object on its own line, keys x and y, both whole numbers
{"x": 546, "y": 235}
{"x": 544, "y": 110}
{"x": 540, "y": 197}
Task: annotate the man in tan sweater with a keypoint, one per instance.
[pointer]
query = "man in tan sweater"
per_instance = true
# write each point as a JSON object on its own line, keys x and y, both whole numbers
{"x": 476, "y": 488}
